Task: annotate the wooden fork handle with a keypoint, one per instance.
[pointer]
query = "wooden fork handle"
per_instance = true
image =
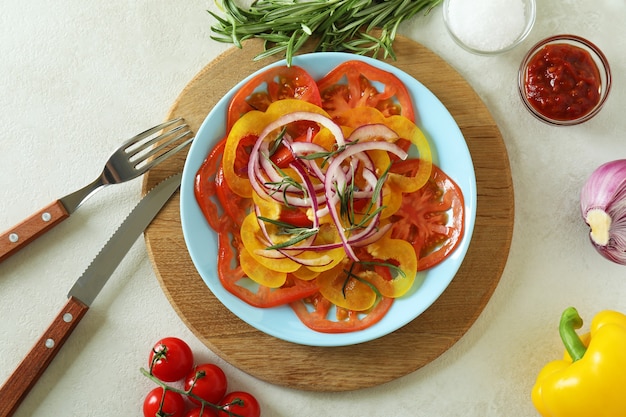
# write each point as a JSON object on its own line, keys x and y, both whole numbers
{"x": 31, "y": 228}
{"x": 37, "y": 360}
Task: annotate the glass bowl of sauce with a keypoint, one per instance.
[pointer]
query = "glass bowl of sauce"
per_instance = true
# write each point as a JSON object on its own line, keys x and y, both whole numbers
{"x": 564, "y": 80}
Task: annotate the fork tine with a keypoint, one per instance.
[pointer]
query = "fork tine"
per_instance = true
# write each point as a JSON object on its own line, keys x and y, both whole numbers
{"x": 166, "y": 154}
{"x": 138, "y": 152}
{"x": 139, "y": 137}
{"x": 146, "y": 153}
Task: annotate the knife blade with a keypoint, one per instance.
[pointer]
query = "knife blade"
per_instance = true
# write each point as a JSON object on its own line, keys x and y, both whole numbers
{"x": 82, "y": 295}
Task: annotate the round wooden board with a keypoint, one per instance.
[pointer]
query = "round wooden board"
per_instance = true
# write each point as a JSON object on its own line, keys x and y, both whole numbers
{"x": 381, "y": 360}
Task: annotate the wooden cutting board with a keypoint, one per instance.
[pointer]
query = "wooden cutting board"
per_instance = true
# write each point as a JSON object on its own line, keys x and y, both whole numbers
{"x": 382, "y": 360}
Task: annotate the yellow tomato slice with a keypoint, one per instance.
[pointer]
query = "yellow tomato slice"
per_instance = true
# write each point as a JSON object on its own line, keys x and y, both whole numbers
{"x": 259, "y": 273}
{"x": 326, "y": 259}
{"x": 254, "y": 242}
{"x": 305, "y": 274}
{"x": 400, "y": 253}
{"x": 392, "y": 201}
{"x": 408, "y": 130}
{"x": 405, "y": 129}
{"x": 346, "y": 292}
{"x": 252, "y": 124}
{"x": 316, "y": 261}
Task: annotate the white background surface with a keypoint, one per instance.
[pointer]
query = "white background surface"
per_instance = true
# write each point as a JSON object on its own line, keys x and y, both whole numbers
{"x": 77, "y": 78}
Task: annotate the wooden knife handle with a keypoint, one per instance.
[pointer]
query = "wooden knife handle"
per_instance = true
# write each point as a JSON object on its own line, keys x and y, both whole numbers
{"x": 37, "y": 360}
{"x": 29, "y": 229}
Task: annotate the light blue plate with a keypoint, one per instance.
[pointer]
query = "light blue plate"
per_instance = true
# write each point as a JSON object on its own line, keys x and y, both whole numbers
{"x": 450, "y": 152}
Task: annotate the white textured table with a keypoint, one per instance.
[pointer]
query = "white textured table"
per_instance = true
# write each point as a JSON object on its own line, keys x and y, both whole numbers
{"x": 77, "y": 78}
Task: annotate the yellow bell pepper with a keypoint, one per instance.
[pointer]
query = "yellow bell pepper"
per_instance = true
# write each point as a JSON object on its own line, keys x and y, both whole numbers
{"x": 591, "y": 380}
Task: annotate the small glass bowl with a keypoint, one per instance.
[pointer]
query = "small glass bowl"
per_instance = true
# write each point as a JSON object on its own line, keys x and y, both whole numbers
{"x": 599, "y": 59}
{"x": 478, "y": 21}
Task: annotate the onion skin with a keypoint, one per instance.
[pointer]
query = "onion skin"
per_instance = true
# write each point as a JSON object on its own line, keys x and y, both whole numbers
{"x": 603, "y": 207}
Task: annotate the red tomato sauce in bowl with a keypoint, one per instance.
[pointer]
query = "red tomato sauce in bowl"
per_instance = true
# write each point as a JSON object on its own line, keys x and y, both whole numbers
{"x": 564, "y": 80}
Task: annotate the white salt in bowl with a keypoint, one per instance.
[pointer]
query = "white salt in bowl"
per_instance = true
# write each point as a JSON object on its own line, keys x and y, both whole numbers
{"x": 489, "y": 27}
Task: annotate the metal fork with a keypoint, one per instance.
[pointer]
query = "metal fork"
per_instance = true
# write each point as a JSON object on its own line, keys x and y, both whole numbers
{"x": 132, "y": 159}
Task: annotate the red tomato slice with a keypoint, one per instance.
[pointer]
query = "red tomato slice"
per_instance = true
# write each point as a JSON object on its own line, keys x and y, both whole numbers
{"x": 205, "y": 185}
{"x": 211, "y": 187}
{"x": 295, "y": 217}
{"x": 244, "y": 147}
{"x": 274, "y": 84}
{"x": 432, "y": 218}
{"x": 357, "y": 90}
{"x": 302, "y": 131}
{"x": 294, "y": 289}
{"x": 318, "y": 318}
{"x": 235, "y": 206}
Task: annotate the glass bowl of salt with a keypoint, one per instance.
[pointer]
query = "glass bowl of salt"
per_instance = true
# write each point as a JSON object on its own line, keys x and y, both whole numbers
{"x": 489, "y": 27}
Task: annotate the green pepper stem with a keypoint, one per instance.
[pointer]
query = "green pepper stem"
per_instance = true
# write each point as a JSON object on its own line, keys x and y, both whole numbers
{"x": 570, "y": 322}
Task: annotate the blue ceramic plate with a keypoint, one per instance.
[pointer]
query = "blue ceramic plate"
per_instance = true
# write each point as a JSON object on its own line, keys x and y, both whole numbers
{"x": 450, "y": 152}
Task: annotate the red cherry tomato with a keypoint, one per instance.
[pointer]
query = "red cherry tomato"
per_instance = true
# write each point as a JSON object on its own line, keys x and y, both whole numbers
{"x": 199, "y": 412}
{"x": 210, "y": 383}
{"x": 172, "y": 404}
{"x": 240, "y": 403}
{"x": 171, "y": 359}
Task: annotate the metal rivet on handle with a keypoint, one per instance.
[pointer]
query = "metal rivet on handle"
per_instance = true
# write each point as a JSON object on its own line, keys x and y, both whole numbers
{"x": 13, "y": 237}
{"x": 67, "y": 317}
{"x": 46, "y": 217}
{"x": 49, "y": 343}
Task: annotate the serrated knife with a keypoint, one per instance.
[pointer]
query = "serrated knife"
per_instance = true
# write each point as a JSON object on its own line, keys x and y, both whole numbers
{"x": 82, "y": 295}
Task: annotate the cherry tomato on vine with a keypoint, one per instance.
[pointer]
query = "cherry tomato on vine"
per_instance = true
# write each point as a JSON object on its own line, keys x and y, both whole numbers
{"x": 173, "y": 404}
{"x": 210, "y": 383}
{"x": 171, "y": 359}
{"x": 199, "y": 412}
{"x": 240, "y": 403}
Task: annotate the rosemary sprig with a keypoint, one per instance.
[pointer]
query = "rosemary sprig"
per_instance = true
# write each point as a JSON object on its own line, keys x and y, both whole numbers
{"x": 298, "y": 233}
{"x": 398, "y": 271}
{"x": 327, "y": 155}
{"x": 346, "y": 203}
{"x": 278, "y": 141}
{"x": 283, "y": 185}
{"x": 335, "y": 25}
{"x": 351, "y": 275}
{"x": 286, "y": 182}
